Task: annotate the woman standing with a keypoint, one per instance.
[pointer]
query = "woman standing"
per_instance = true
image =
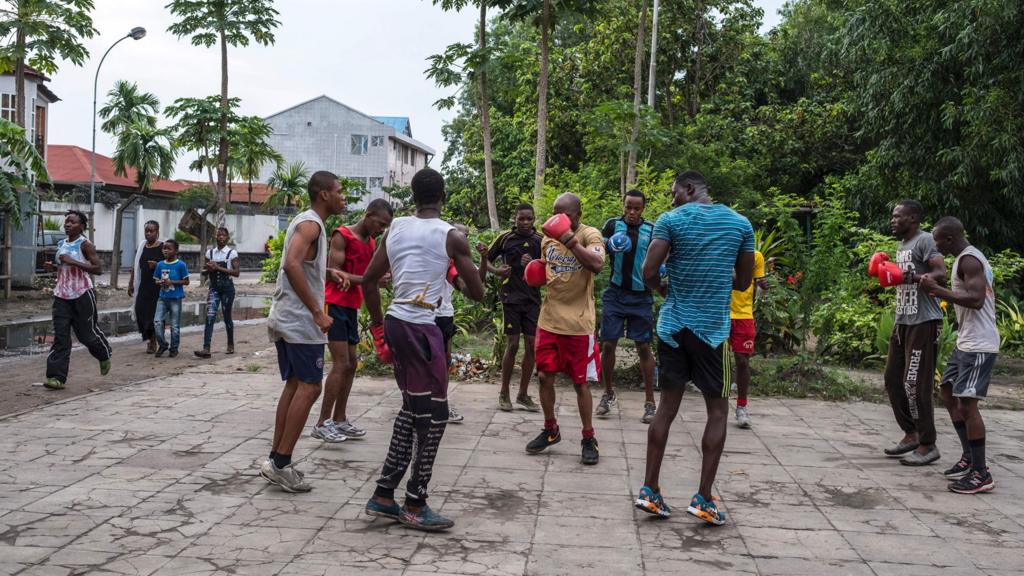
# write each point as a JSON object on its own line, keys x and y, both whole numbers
{"x": 146, "y": 293}
{"x": 221, "y": 269}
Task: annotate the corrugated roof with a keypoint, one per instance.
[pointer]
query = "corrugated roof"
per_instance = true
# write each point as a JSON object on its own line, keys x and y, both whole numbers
{"x": 399, "y": 123}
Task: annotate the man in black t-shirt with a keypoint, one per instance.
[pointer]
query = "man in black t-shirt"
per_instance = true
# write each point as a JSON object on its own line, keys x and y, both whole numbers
{"x": 520, "y": 302}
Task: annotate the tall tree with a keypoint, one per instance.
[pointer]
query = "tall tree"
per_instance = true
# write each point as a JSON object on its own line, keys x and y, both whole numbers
{"x": 542, "y": 102}
{"x": 224, "y": 23}
{"x": 651, "y": 74}
{"x": 287, "y": 185}
{"x": 21, "y": 164}
{"x": 638, "y": 82}
{"x": 127, "y": 105}
{"x": 252, "y": 150}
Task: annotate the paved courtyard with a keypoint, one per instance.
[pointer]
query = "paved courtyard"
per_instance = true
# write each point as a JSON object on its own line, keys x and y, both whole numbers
{"x": 160, "y": 478}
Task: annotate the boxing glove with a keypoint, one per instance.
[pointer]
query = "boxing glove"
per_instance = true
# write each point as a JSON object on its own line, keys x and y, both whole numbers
{"x": 380, "y": 345}
{"x": 557, "y": 226}
{"x": 876, "y": 259}
{"x": 889, "y": 274}
{"x": 452, "y": 273}
{"x": 536, "y": 273}
{"x": 620, "y": 242}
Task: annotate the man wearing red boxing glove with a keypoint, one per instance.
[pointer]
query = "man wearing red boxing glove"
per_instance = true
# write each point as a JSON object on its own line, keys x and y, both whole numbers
{"x": 417, "y": 249}
{"x": 565, "y": 340}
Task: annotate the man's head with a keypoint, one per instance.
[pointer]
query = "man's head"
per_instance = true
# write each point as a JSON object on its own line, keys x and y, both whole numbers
{"x": 949, "y": 236}
{"x": 689, "y": 186}
{"x": 633, "y": 207}
{"x": 170, "y": 249}
{"x": 378, "y": 216}
{"x": 428, "y": 189}
{"x": 525, "y": 218}
{"x": 906, "y": 218}
{"x": 151, "y": 231}
{"x": 75, "y": 222}
{"x": 569, "y": 204}
{"x": 325, "y": 192}
{"x": 222, "y": 237}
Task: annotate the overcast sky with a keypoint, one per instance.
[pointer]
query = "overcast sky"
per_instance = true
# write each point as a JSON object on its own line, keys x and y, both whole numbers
{"x": 369, "y": 54}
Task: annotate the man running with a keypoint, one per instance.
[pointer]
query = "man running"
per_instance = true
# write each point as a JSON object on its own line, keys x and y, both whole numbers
{"x": 417, "y": 249}
{"x": 221, "y": 270}
{"x": 520, "y": 302}
{"x": 74, "y": 302}
{"x": 967, "y": 374}
{"x": 703, "y": 243}
{"x": 297, "y": 325}
{"x": 627, "y": 304}
{"x": 573, "y": 254}
{"x": 913, "y": 346}
{"x": 350, "y": 252}
{"x": 742, "y": 332}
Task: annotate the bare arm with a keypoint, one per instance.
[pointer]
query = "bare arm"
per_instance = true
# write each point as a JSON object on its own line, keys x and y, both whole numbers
{"x": 458, "y": 250}
{"x": 236, "y": 269}
{"x": 656, "y": 254}
{"x": 744, "y": 271}
{"x": 303, "y": 239}
{"x": 975, "y": 285}
{"x": 936, "y": 270}
{"x": 92, "y": 260}
{"x": 379, "y": 266}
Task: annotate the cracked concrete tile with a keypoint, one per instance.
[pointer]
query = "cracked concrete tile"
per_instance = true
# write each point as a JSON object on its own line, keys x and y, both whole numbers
{"x": 361, "y": 550}
{"x": 283, "y": 513}
{"x": 551, "y": 560}
{"x": 499, "y": 479}
{"x": 598, "y": 532}
{"x": 810, "y": 567}
{"x": 44, "y": 530}
{"x": 186, "y": 566}
{"x": 876, "y": 521}
{"x": 778, "y": 542}
{"x": 903, "y": 549}
{"x": 98, "y": 502}
{"x": 456, "y": 556}
{"x": 163, "y": 537}
{"x": 249, "y": 542}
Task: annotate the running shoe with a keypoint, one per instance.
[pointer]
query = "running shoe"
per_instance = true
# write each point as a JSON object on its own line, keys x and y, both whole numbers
{"x": 590, "y": 451}
{"x": 973, "y": 483}
{"x": 915, "y": 458}
{"x": 426, "y": 520}
{"x": 605, "y": 406}
{"x": 742, "y": 417}
{"x": 901, "y": 448}
{"x": 650, "y": 409}
{"x": 172, "y": 354}
{"x": 53, "y": 384}
{"x": 297, "y": 471}
{"x": 504, "y": 403}
{"x": 959, "y": 470}
{"x": 527, "y": 403}
{"x": 328, "y": 434}
{"x": 346, "y": 429}
{"x": 104, "y": 367}
{"x": 287, "y": 478}
{"x": 650, "y": 501}
{"x": 453, "y": 415}
{"x": 706, "y": 511}
{"x": 543, "y": 440}
{"x": 160, "y": 351}
{"x": 374, "y": 508}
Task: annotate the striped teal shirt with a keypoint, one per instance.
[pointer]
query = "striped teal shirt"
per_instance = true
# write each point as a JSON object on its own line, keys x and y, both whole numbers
{"x": 704, "y": 241}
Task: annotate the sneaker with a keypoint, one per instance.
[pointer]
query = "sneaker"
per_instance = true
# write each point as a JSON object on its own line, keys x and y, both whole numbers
{"x": 204, "y": 353}
{"x": 543, "y": 440}
{"x": 650, "y": 501}
{"x": 915, "y": 458}
{"x": 706, "y": 511}
{"x": 901, "y": 448}
{"x": 328, "y": 434}
{"x": 426, "y": 520}
{"x": 504, "y": 403}
{"x": 160, "y": 351}
{"x": 453, "y": 415}
{"x": 287, "y": 478}
{"x": 374, "y": 508}
{"x": 172, "y": 354}
{"x": 605, "y": 406}
{"x": 297, "y": 471}
{"x": 53, "y": 384}
{"x": 958, "y": 470}
{"x": 347, "y": 429}
{"x": 527, "y": 403}
{"x": 742, "y": 417}
{"x": 973, "y": 482}
{"x": 650, "y": 409}
{"x": 104, "y": 367}
{"x": 590, "y": 451}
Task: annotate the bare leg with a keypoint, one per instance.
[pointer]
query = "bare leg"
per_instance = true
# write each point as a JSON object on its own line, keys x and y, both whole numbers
{"x": 608, "y": 365}
{"x": 283, "y": 405}
{"x": 586, "y": 405}
{"x": 508, "y": 361}
{"x": 302, "y": 401}
{"x": 335, "y": 379}
{"x": 643, "y": 350}
{"x": 547, "y": 394}
{"x": 657, "y": 434}
{"x": 347, "y": 377}
{"x": 972, "y": 416}
{"x": 742, "y": 375}
{"x": 713, "y": 442}
{"x": 527, "y": 368}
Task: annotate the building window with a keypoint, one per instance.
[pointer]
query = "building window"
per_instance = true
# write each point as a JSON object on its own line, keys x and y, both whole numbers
{"x": 406, "y": 153}
{"x": 376, "y": 183}
{"x": 377, "y": 141}
{"x": 360, "y": 144}
{"x": 8, "y": 107}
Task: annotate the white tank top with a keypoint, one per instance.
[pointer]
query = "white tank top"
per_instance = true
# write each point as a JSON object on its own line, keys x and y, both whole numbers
{"x": 417, "y": 250}
{"x": 978, "y": 331}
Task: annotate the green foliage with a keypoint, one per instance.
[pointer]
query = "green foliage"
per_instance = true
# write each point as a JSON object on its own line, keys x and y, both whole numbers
{"x": 804, "y": 376}
{"x": 52, "y": 224}
{"x": 234, "y": 22}
{"x": 197, "y": 127}
{"x": 21, "y": 167}
{"x": 148, "y": 150}
{"x": 288, "y": 185}
{"x": 779, "y": 319}
{"x": 41, "y": 33}
{"x": 272, "y": 263}
{"x": 250, "y": 148}
{"x": 126, "y": 105}
{"x": 1010, "y": 319}
{"x": 200, "y": 197}
{"x": 184, "y": 237}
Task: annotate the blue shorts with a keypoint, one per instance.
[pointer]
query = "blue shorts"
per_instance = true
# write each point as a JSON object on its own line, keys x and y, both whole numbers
{"x": 346, "y": 324}
{"x": 625, "y": 312}
{"x": 303, "y": 361}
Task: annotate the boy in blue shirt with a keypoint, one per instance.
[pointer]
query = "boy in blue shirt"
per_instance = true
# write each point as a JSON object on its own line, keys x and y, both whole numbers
{"x": 172, "y": 276}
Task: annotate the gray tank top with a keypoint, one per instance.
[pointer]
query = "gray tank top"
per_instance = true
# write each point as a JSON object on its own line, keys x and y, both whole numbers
{"x": 978, "y": 331}
{"x": 289, "y": 318}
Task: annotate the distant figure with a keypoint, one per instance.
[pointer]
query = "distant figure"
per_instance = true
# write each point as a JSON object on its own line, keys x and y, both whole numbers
{"x": 146, "y": 293}
{"x": 221, "y": 268}
{"x": 266, "y": 245}
{"x": 172, "y": 276}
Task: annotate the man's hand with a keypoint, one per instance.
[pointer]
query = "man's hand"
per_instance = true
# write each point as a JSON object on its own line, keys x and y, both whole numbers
{"x": 165, "y": 282}
{"x": 50, "y": 266}
{"x": 504, "y": 271}
{"x": 340, "y": 278}
{"x": 928, "y": 284}
{"x": 481, "y": 248}
{"x": 525, "y": 259}
{"x": 323, "y": 321}
{"x": 65, "y": 259}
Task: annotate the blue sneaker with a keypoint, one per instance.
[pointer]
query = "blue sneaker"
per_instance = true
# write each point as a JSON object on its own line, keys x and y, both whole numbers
{"x": 426, "y": 520}
{"x": 650, "y": 501}
{"x": 706, "y": 511}
{"x": 374, "y": 508}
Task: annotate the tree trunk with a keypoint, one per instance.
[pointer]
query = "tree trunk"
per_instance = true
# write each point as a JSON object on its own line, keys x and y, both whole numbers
{"x": 651, "y": 76}
{"x": 250, "y": 190}
{"x": 222, "y": 148}
{"x": 19, "y": 79}
{"x": 542, "y": 104}
{"x": 638, "y": 81}
{"x": 485, "y": 127}
{"x": 695, "y": 80}
{"x": 115, "y": 251}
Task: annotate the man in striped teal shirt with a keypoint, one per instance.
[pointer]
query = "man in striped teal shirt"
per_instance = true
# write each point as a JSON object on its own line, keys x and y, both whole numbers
{"x": 701, "y": 244}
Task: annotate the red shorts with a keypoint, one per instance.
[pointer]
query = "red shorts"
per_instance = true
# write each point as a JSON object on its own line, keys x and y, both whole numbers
{"x": 575, "y": 356}
{"x": 741, "y": 335}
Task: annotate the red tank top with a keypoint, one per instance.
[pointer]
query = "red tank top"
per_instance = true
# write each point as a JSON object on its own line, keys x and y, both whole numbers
{"x": 357, "y": 258}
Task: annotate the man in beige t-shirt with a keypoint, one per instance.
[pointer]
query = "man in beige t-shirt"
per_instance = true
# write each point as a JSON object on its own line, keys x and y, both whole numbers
{"x": 565, "y": 341}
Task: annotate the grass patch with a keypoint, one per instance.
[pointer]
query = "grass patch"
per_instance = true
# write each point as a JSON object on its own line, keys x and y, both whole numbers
{"x": 254, "y": 367}
{"x": 804, "y": 376}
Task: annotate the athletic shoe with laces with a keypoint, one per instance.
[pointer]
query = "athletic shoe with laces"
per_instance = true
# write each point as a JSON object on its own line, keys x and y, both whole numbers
{"x": 742, "y": 417}
{"x": 328, "y": 434}
{"x": 649, "y": 500}
{"x": 650, "y": 409}
{"x": 590, "y": 451}
{"x": 504, "y": 403}
{"x": 426, "y": 520}
{"x": 297, "y": 471}
{"x": 543, "y": 440}
{"x": 104, "y": 367}
{"x": 606, "y": 403}
{"x": 53, "y": 384}
{"x": 973, "y": 483}
{"x": 288, "y": 478}
{"x": 347, "y": 429}
{"x": 527, "y": 403}
{"x": 453, "y": 415}
{"x": 374, "y": 508}
{"x": 706, "y": 511}
{"x": 958, "y": 470}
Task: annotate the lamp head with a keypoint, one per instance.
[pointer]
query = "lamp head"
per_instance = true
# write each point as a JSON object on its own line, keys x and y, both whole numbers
{"x": 138, "y": 33}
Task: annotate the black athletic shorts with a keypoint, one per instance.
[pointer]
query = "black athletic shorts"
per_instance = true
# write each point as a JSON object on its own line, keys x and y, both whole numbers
{"x": 694, "y": 360}
{"x": 521, "y": 318}
{"x": 346, "y": 324}
{"x": 447, "y": 326}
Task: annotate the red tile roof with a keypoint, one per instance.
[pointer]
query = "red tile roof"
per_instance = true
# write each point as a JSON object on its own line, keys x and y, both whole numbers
{"x": 71, "y": 165}
{"x": 239, "y": 191}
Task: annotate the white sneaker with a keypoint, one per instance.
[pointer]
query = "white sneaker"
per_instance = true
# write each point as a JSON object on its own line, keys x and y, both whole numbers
{"x": 347, "y": 429}
{"x": 287, "y": 478}
{"x": 742, "y": 417}
{"x": 328, "y": 433}
{"x": 453, "y": 415}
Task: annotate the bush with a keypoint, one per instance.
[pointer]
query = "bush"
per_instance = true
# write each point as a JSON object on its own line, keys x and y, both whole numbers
{"x": 779, "y": 319}
{"x": 184, "y": 237}
{"x": 272, "y": 263}
{"x": 803, "y": 376}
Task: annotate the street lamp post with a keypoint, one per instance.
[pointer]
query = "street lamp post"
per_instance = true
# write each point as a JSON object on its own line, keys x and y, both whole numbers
{"x": 137, "y": 33}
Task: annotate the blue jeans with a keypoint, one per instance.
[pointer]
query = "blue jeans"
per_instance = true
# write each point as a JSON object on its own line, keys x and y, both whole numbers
{"x": 168, "y": 309}
{"x": 219, "y": 298}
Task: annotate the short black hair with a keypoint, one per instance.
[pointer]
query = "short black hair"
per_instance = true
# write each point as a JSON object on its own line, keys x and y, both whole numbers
{"x": 153, "y": 222}
{"x": 427, "y": 187}
{"x": 915, "y": 208}
{"x": 380, "y": 206}
{"x": 634, "y": 193}
{"x": 524, "y": 206}
{"x": 690, "y": 177}
{"x": 81, "y": 217}
{"x": 320, "y": 181}
{"x": 950, "y": 225}
{"x": 172, "y": 242}
{"x": 225, "y": 229}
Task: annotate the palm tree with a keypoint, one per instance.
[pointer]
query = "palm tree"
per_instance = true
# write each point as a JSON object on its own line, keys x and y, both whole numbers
{"x": 127, "y": 106}
{"x": 149, "y": 151}
{"x": 251, "y": 151}
{"x": 288, "y": 184}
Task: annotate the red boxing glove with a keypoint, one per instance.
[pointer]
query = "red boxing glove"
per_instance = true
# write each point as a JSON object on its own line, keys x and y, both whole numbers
{"x": 557, "y": 226}
{"x": 889, "y": 274}
{"x": 380, "y": 345}
{"x": 536, "y": 273}
{"x": 452, "y": 272}
{"x": 876, "y": 259}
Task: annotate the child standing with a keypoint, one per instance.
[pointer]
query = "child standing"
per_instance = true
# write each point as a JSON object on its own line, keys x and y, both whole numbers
{"x": 172, "y": 276}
